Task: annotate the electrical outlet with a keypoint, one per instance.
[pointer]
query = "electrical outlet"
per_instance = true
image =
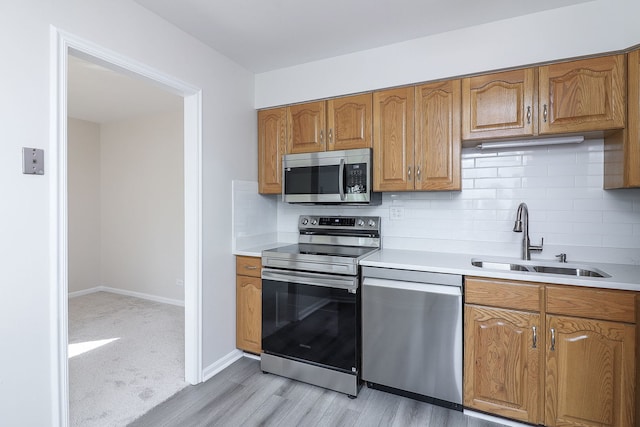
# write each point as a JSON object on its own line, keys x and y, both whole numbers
{"x": 180, "y": 283}
{"x": 396, "y": 213}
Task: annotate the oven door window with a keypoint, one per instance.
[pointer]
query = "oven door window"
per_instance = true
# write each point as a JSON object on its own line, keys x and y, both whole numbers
{"x": 312, "y": 323}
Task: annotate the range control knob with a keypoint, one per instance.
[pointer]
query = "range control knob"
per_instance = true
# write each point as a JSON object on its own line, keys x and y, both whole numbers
{"x": 314, "y": 221}
{"x": 305, "y": 221}
{"x": 361, "y": 222}
{"x": 372, "y": 223}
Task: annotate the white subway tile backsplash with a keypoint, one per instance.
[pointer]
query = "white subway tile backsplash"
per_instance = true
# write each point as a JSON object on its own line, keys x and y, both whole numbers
{"x": 562, "y": 186}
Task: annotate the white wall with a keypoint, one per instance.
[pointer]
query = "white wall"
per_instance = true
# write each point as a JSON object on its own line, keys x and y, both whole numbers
{"x": 562, "y": 186}
{"x": 27, "y": 297}
{"x": 83, "y": 140}
{"x": 587, "y": 28}
{"x": 142, "y": 204}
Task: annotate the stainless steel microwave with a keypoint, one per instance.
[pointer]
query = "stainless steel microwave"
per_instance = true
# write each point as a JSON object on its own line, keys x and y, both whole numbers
{"x": 329, "y": 177}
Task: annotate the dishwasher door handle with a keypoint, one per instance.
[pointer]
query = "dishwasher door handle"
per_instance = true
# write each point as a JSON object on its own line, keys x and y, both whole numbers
{"x": 413, "y": 286}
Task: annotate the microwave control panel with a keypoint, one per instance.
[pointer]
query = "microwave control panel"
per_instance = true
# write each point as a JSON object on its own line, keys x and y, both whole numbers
{"x": 356, "y": 178}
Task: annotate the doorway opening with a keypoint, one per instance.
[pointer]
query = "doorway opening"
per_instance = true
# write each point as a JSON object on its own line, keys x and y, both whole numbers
{"x": 66, "y": 44}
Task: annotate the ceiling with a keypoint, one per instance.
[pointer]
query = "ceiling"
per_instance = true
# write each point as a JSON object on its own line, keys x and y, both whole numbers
{"x": 264, "y": 35}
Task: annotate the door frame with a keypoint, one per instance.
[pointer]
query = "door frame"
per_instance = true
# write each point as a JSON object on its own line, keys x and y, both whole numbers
{"x": 62, "y": 44}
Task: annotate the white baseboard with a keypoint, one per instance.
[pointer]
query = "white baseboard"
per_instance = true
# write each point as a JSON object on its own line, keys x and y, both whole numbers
{"x": 252, "y": 356}
{"x": 220, "y": 364}
{"x": 127, "y": 293}
{"x": 497, "y": 420}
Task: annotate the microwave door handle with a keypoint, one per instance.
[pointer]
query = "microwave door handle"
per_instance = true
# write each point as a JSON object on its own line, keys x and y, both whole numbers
{"x": 341, "y": 179}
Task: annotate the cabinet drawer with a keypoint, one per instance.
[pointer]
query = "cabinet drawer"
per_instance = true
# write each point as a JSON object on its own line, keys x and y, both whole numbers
{"x": 503, "y": 293}
{"x": 603, "y": 304}
{"x": 248, "y": 265}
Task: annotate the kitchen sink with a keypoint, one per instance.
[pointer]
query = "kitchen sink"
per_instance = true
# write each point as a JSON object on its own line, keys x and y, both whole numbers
{"x": 540, "y": 267}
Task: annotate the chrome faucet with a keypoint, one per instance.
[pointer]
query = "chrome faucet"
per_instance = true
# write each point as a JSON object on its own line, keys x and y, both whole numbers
{"x": 522, "y": 224}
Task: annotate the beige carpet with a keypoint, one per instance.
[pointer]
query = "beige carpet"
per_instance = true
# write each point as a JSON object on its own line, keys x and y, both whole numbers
{"x": 126, "y": 356}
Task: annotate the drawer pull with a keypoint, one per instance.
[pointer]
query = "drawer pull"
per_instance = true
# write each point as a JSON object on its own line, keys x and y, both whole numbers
{"x": 553, "y": 339}
{"x": 250, "y": 267}
{"x": 535, "y": 337}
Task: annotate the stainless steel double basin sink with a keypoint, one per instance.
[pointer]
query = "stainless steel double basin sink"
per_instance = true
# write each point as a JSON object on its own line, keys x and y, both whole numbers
{"x": 578, "y": 270}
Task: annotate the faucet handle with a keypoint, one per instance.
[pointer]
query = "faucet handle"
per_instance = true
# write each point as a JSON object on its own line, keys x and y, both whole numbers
{"x": 562, "y": 257}
{"x": 536, "y": 248}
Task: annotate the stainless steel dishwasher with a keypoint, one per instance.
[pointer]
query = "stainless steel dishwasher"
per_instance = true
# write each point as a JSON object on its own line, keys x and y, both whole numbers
{"x": 412, "y": 334}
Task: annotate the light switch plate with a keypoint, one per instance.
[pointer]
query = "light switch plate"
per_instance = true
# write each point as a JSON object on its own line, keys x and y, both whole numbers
{"x": 32, "y": 161}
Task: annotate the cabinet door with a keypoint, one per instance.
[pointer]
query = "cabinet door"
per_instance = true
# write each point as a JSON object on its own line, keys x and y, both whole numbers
{"x": 437, "y": 136}
{"x": 499, "y": 105}
{"x": 590, "y": 373}
{"x": 271, "y": 148}
{"x": 501, "y": 361}
{"x": 393, "y": 166}
{"x": 622, "y": 148}
{"x": 306, "y": 123}
{"x": 249, "y": 313}
{"x": 585, "y": 95}
{"x": 349, "y": 122}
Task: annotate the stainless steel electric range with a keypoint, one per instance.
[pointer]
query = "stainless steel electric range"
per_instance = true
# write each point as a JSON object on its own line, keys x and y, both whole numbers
{"x": 311, "y": 320}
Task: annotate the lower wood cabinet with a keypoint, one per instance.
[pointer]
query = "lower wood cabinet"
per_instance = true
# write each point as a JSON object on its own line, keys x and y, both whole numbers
{"x": 248, "y": 304}
{"x": 550, "y": 354}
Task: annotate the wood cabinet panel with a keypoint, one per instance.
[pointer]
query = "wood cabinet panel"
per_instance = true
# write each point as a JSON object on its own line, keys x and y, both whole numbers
{"x": 248, "y": 265}
{"x": 306, "y": 127}
{"x": 499, "y": 105}
{"x": 393, "y": 139}
{"x": 249, "y": 313}
{"x": 622, "y": 148}
{"x": 248, "y": 304}
{"x": 349, "y": 122}
{"x": 584, "y": 95}
{"x": 592, "y": 303}
{"x": 503, "y": 293}
{"x": 272, "y": 126}
{"x": 502, "y": 362}
{"x": 437, "y": 136}
{"x": 590, "y": 373}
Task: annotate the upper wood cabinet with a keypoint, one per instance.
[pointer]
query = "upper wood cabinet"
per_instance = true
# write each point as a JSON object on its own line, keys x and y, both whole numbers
{"x": 582, "y": 96}
{"x": 622, "y": 148}
{"x": 305, "y": 127}
{"x": 336, "y": 124}
{"x": 437, "y": 136}
{"x": 576, "y": 96}
{"x": 499, "y": 105}
{"x": 417, "y": 138}
{"x": 393, "y": 164}
{"x": 349, "y": 122}
{"x": 271, "y": 147}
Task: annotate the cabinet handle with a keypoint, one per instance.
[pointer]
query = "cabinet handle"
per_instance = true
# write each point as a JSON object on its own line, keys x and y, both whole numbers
{"x": 409, "y": 173}
{"x": 553, "y": 339}
{"x": 321, "y": 136}
{"x": 529, "y": 115}
{"x": 250, "y": 267}
{"x": 545, "y": 112}
{"x": 535, "y": 337}
{"x": 330, "y": 136}
{"x": 418, "y": 173}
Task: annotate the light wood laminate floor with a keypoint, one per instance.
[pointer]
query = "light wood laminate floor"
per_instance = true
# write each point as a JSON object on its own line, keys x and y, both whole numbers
{"x": 242, "y": 395}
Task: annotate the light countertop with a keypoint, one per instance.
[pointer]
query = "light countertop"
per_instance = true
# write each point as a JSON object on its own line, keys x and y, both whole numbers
{"x": 625, "y": 277}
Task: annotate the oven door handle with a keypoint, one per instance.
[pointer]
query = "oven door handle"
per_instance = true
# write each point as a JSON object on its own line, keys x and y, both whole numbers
{"x": 314, "y": 279}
